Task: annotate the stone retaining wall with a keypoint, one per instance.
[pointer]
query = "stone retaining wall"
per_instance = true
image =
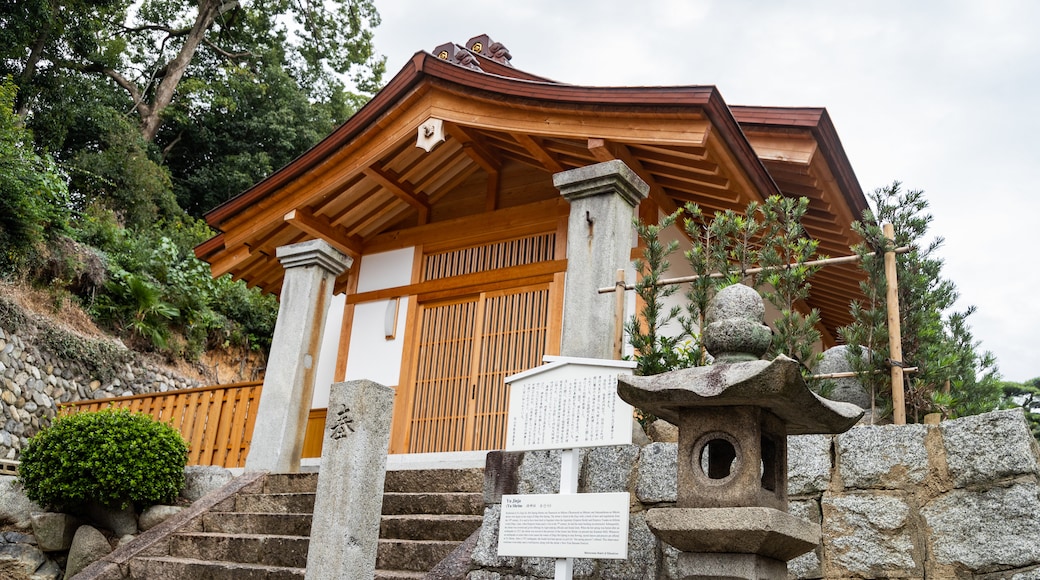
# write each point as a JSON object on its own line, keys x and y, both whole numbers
{"x": 957, "y": 500}
{"x": 35, "y": 381}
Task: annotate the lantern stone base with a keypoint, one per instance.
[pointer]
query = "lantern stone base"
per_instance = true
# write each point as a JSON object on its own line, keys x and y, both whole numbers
{"x": 729, "y": 567}
{"x": 742, "y": 531}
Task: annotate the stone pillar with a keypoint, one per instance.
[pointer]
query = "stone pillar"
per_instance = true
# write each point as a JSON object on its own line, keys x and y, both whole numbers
{"x": 349, "y": 500}
{"x": 281, "y": 421}
{"x": 600, "y": 237}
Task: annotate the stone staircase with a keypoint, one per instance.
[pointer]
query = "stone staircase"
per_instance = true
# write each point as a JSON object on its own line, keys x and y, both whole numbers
{"x": 261, "y": 533}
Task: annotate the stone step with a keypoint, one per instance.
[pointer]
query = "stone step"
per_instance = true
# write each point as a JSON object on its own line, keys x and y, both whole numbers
{"x": 414, "y": 555}
{"x": 451, "y": 528}
{"x": 170, "y": 568}
{"x": 399, "y": 575}
{"x": 401, "y": 481}
{"x": 435, "y": 480}
{"x": 433, "y": 503}
{"x": 291, "y": 483}
{"x": 257, "y": 523}
{"x": 275, "y": 503}
{"x": 283, "y": 551}
{"x": 393, "y": 503}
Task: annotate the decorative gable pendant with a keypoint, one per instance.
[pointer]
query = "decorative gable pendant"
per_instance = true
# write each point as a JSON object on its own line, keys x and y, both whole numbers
{"x": 431, "y": 132}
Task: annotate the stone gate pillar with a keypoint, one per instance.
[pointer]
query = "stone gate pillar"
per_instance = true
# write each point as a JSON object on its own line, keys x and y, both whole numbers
{"x": 311, "y": 269}
{"x": 599, "y": 243}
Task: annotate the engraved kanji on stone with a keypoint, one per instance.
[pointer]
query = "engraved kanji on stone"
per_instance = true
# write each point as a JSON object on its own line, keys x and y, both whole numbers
{"x": 342, "y": 423}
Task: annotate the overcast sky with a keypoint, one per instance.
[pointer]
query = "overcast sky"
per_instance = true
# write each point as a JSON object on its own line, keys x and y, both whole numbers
{"x": 942, "y": 96}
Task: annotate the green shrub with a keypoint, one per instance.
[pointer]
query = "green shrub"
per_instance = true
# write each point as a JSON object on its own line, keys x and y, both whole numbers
{"x": 112, "y": 457}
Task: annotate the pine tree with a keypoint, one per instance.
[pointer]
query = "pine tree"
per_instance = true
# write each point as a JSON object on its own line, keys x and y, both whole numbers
{"x": 935, "y": 339}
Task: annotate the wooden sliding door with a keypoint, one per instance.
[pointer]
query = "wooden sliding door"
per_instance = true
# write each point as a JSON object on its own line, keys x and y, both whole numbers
{"x": 466, "y": 347}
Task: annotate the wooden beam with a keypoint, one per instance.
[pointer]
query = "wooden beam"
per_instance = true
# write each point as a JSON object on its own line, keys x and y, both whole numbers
{"x": 494, "y": 183}
{"x": 604, "y": 150}
{"x": 517, "y": 221}
{"x": 229, "y": 260}
{"x": 416, "y": 199}
{"x": 535, "y": 148}
{"x": 475, "y": 280}
{"x": 787, "y": 148}
{"x": 679, "y": 128}
{"x": 305, "y": 221}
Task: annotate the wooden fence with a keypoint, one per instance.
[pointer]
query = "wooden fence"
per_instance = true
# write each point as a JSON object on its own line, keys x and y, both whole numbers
{"x": 216, "y": 421}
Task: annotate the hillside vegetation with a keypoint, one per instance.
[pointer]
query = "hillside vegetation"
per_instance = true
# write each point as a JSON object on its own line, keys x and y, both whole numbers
{"x": 122, "y": 124}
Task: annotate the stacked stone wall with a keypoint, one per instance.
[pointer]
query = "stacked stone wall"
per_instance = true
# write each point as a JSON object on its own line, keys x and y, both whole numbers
{"x": 35, "y": 380}
{"x": 956, "y": 500}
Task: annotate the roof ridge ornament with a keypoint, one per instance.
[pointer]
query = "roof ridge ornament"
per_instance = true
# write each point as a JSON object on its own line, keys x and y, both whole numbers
{"x": 487, "y": 48}
{"x": 457, "y": 55}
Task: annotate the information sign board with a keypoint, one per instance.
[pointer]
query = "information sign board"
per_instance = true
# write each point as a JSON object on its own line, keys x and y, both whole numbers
{"x": 566, "y": 404}
{"x": 585, "y": 525}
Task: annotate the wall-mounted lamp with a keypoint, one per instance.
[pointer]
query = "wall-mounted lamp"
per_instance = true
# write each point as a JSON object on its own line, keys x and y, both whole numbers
{"x": 390, "y": 318}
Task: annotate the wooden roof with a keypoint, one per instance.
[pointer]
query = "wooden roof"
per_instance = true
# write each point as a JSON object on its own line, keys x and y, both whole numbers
{"x": 507, "y": 132}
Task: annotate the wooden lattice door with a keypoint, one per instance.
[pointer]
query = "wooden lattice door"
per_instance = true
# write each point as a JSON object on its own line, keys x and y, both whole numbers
{"x": 466, "y": 348}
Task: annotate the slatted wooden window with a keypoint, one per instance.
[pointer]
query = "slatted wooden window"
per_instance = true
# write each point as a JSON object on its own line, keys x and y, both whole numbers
{"x": 489, "y": 257}
{"x": 466, "y": 349}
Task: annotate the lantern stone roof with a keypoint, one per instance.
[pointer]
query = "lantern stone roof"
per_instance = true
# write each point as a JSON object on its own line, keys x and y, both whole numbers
{"x": 775, "y": 385}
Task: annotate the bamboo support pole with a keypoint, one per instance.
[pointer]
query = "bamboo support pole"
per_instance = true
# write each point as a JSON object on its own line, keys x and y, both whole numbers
{"x": 851, "y": 374}
{"x": 895, "y": 340}
{"x": 619, "y": 317}
{"x": 685, "y": 279}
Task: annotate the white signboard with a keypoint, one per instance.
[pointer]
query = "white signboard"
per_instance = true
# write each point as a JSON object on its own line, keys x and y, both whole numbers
{"x": 566, "y": 406}
{"x": 585, "y": 525}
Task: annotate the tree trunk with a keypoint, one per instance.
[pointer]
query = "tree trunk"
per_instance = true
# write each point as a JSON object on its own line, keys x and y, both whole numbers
{"x": 24, "y": 80}
{"x": 208, "y": 12}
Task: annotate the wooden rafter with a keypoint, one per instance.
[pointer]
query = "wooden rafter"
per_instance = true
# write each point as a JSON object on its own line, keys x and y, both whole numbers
{"x": 474, "y": 148}
{"x": 389, "y": 180}
{"x": 337, "y": 237}
{"x": 229, "y": 260}
{"x": 535, "y": 148}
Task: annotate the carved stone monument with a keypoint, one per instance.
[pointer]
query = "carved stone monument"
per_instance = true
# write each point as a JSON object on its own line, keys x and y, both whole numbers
{"x": 349, "y": 499}
{"x": 734, "y": 417}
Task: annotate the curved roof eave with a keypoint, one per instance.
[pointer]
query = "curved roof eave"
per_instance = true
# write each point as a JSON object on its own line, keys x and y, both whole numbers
{"x": 818, "y": 121}
{"x": 424, "y": 65}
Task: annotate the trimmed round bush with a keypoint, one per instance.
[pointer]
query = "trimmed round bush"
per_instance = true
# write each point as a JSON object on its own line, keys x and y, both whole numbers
{"x": 112, "y": 457}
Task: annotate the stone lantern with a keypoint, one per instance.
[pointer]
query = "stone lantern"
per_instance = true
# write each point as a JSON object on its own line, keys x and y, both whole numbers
{"x": 730, "y": 518}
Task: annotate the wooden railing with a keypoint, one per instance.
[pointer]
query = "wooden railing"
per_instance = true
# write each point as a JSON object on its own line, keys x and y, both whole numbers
{"x": 216, "y": 421}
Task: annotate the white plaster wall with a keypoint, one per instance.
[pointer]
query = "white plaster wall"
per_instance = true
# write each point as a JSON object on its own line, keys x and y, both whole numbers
{"x": 323, "y": 376}
{"x": 371, "y": 355}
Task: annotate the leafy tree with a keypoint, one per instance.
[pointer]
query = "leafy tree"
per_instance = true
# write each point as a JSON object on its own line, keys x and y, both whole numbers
{"x": 933, "y": 338}
{"x": 33, "y": 196}
{"x": 708, "y": 257}
{"x": 724, "y": 250}
{"x": 229, "y": 135}
{"x": 785, "y": 249}
{"x": 655, "y": 351}
{"x": 147, "y": 49}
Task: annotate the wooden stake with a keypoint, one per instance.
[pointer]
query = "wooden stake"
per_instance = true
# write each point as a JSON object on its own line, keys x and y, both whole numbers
{"x": 619, "y": 317}
{"x": 895, "y": 340}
